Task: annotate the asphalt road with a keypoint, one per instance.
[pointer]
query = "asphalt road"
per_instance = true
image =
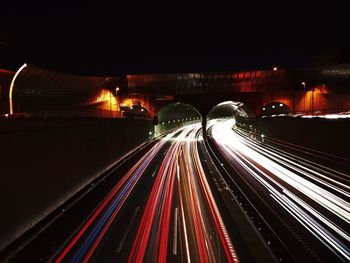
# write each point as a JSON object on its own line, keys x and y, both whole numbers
{"x": 305, "y": 202}
{"x": 157, "y": 208}
{"x": 168, "y": 202}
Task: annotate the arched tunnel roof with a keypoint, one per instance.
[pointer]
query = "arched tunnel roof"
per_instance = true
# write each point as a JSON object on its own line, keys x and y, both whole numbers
{"x": 177, "y": 110}
{"x": 175, "y": 115}
{"x": 275, "y": 107}
{"x": 231, "y": 108}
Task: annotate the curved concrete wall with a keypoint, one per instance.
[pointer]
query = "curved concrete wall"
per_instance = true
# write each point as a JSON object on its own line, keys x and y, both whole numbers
{"x": 44, "y": 162}
{"x": 326, "y": 135}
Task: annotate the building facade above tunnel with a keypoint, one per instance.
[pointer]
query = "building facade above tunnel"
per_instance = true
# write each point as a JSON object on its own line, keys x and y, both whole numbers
{"x": 335, "y": 78}
{"x": 301, "y": 90}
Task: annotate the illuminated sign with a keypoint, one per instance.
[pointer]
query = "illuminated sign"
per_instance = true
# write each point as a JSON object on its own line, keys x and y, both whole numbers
{"x": 165, "y": 97}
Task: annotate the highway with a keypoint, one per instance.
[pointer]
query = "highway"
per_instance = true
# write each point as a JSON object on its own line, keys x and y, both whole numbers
{"x": 169, "y": 203}
{"x": 160, "y": 210}
{"x": 307, "y": 203}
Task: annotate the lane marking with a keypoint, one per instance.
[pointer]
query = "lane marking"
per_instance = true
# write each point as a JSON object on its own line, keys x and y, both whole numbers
{"x": 175, "y": 232}
{"x": 154, "y": 173}
{"x": 120, "y": 246}
{"x": 155, "y": 170}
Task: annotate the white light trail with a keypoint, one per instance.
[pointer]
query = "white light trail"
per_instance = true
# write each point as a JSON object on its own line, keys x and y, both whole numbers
{"x": 293, "y": 186}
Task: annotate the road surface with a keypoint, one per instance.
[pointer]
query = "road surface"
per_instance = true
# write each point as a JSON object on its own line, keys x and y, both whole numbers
{"x": 310, "y": 199}
{"x": 160, "y": 210}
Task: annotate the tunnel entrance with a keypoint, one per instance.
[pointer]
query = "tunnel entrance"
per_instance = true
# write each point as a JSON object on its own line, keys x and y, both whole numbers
{"x": 241, "y": 113}
{"x": 136, "y": 111}
{"x": 229, "y": 109}
{"x": 175, "y": 115}
{"x": 276, "y": 108}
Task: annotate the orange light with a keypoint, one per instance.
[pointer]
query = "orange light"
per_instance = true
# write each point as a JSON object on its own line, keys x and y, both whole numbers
{"x": 126, "y": 102}
{"x": 107, "y": 100}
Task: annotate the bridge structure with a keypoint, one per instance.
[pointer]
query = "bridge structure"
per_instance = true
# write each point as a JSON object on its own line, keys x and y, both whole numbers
{"x": 306, "y": 90}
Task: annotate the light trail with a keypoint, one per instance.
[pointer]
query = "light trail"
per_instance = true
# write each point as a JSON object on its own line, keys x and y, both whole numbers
{"x": 179, "y": 198}
{"x": 293, "y": 186}
{"x": 202, "y": 226}
{"x": 116, "y": 197}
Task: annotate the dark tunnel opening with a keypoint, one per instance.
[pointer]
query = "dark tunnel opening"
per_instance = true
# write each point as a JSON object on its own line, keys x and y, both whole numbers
{"x": 175, "y": 115}
{"x": 276, "y": 108}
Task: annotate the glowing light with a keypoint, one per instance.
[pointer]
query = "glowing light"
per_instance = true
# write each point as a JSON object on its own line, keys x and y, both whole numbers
{"x": 275, "y": 68}
{"x": 264, "y": 109}
{"x": 303, "y": 83}
{"x": 224, "y": 103}
{"x": 181, "y": 169}
{"x": 107, "y": 100}
{"x": 13, "y": 84}
{"x": 300, "y": 176}
{"x": 329, "y": 116}
{"x": 126, "y": 103}
{"x": 281, "y": 105}
{"x": 273, "y": 106}
{"x": 142, "y": 109}
{"x": 150, "y": 133}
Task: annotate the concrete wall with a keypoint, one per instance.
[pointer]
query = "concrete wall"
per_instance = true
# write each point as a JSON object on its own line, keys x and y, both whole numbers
{"x": 5, "y": 82}
{"x": 326, "y": 135}
{"x": 44, "y": 162}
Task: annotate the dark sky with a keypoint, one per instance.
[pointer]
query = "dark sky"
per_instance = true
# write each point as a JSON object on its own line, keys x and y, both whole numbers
{"x": 85, "y": 40}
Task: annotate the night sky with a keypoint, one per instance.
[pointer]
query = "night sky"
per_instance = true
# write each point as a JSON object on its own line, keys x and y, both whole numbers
{"x": 85, "y": 40}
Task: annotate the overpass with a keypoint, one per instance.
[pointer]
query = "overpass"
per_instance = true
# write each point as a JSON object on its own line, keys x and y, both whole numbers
{"x": 307, "y": 90}
{"x": 302, "y": 90}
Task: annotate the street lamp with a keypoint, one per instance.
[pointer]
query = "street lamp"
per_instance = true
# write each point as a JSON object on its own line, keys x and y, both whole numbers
{"x": 274, "y": 82}
{"x": 312, "y": 101}
{"x": 117, "y": 102}
{"x": 303, "y": 83}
